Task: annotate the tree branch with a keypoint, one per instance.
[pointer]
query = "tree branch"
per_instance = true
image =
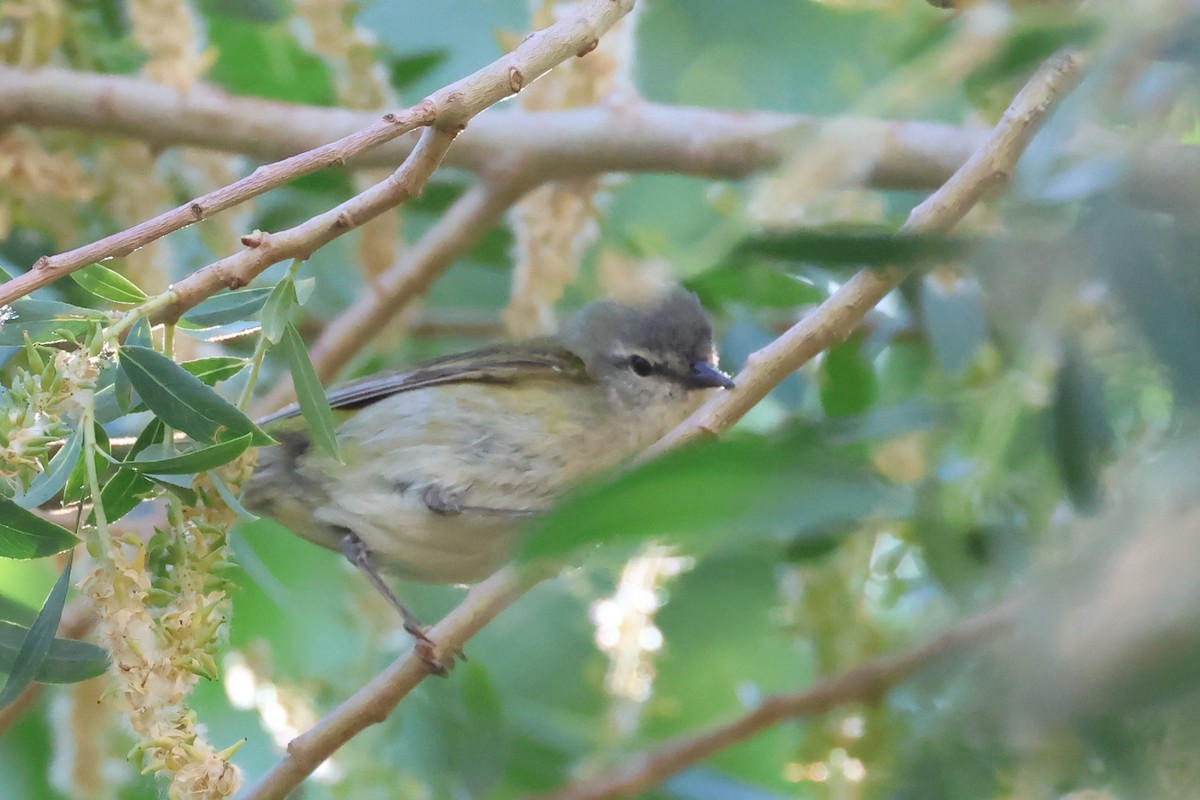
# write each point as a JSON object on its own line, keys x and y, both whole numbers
{"x": 446, "y": 112}
{"x": 865, "y": 683}
{"x": 986, "y": 171}
{"x": 634, "y": 136}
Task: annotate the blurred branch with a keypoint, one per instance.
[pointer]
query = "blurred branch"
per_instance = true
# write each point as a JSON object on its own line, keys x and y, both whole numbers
{"x": 633, "y": 136}
{"x": 987, "y": 170}
{"x": 445, "y": 112}
{"x": 455, "y": 233}
{"x": 372, "y": 703}
{"x": 862, "y": 684}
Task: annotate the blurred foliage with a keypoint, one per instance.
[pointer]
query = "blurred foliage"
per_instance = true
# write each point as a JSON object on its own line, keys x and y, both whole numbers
{"x": 994, "y": 421}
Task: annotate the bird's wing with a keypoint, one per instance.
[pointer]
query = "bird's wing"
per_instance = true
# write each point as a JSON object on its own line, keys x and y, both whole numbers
{"x": 502, "y": 364}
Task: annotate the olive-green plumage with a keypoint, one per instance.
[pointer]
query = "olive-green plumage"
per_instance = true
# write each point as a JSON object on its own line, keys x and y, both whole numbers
{"x": 440, "y": 462}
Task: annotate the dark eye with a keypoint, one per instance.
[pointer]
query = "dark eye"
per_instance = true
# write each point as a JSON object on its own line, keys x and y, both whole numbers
{"x": 640, "y": 366}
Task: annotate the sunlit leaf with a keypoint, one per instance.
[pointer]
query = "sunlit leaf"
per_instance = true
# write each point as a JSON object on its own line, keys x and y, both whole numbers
{"x": 227, "y": 308}
{"x": 215, "y": 369}
{"x": 45, "y": 321}
{"x": 24, "y": 534}
{"x": 278, "y": 310}
{"x": 198, "y": 460}
{"x": 107, "y": 284}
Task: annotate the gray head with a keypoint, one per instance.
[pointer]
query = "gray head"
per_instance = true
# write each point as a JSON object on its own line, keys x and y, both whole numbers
{"x": 651, "y": 353}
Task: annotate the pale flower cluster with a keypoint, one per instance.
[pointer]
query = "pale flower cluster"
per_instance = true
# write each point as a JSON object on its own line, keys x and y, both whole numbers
{"x": 166, "y": 30}
{"x": 556, "y": 223}
{"x": 161, "y": 639}
{"x": 36, "y": 411}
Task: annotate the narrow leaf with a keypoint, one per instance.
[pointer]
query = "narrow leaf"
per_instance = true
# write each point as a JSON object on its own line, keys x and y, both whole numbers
{"x": 35, "y": 644}
{"x": 44, "y": 321}
{"x": 67, "y": 661}
{"x": 23, "y": 534}
{"x": 309, "y": 393}
{"x": 224, "y": 309}
{"x": 182, "y": 400}
{"x": 198, "y": 460}
{"x": 216, "y": 369}
{"x": 15, "y": 611}
{"x": 278, "y": 310}
{"x": 50, "y": 482}
{"x": 139, "y": 336}
{"x": 123, "y": 492}
{"x": 107, "y": 284}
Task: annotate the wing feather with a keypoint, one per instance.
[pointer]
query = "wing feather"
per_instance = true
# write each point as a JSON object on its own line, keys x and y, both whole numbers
{"x": 538, "y": 359}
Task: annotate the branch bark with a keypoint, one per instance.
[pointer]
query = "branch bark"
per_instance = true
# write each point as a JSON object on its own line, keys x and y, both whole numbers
{"x": 446, "y": 112}
{"x": 637, "y": 136}
{"x": 865, "y": 683}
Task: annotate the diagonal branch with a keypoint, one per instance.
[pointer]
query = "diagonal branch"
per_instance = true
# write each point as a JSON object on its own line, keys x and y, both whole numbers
{"x": 865, "y": 683}
{"x": 832, "y": 321}
{"x": 987, "y": 170}
{"x": 447, "y": 111}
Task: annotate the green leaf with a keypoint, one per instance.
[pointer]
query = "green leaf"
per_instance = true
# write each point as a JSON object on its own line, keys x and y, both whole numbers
{"x": 407, "y": 70}
{"x": 14, "y": 611}
{"x": 199, "y": 460}
{"x": 67, "y": 660}
{"x": 77, "y": 483}
{"x": 215, "y": 369}
{"x": 45, "y": 321}
{"x": 856, "y": 245}
{"x": 24, "y": 534}
{"x": 954, "y": 319}
{"x": 227, "y": 308}
{"x": 50, "y": 482}
{"x": 123, "y": 492}
{"x": 744, "y": 486}
{"x": 139, "y": 336}
{"x": 182, "y": 400}
{"x": 107, "y": 284}
{"x": 1081, "y": 433}
{"x": 1023, "y": 50}
{"x": 310, "y": 394}
{"x": 848, "y": 383}
{"x": 754, "y": 284}
{"x": 36, "y": 642}
{"x": 266, "y": 61}
{"x": 278, "y": 310}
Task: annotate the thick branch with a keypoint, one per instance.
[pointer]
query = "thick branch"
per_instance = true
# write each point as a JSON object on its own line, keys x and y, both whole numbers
{"x": 447, "y": 111}
{"x": 637, "y": 136}
{"x": 863, "y": 684}
{"x": 986, "y": 171}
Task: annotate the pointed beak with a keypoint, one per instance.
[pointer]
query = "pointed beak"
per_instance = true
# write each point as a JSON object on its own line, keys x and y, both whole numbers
{"x": 704, "y": 375}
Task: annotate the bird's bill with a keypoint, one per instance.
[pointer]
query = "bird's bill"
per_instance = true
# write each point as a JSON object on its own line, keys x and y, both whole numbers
{"x": 704, "y": 375}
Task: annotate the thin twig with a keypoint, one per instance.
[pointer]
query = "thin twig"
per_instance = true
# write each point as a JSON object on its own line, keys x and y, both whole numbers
{"x": 449, "y": 111}
{"x": 986, "y": 171}
{"x": 865, "y": 683}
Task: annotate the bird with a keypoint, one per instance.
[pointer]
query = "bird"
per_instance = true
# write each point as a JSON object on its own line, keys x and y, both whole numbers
{"x": 441, "y": 462}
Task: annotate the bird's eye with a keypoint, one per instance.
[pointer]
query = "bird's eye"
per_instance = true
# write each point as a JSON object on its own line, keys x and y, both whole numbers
{"x": 640, "y": 366}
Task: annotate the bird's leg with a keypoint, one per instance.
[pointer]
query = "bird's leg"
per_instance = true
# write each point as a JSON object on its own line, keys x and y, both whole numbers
{"x": 357, "y": 553}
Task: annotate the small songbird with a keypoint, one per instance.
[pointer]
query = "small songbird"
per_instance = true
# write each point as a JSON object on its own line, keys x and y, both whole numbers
{"x": 441, "y": 462}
